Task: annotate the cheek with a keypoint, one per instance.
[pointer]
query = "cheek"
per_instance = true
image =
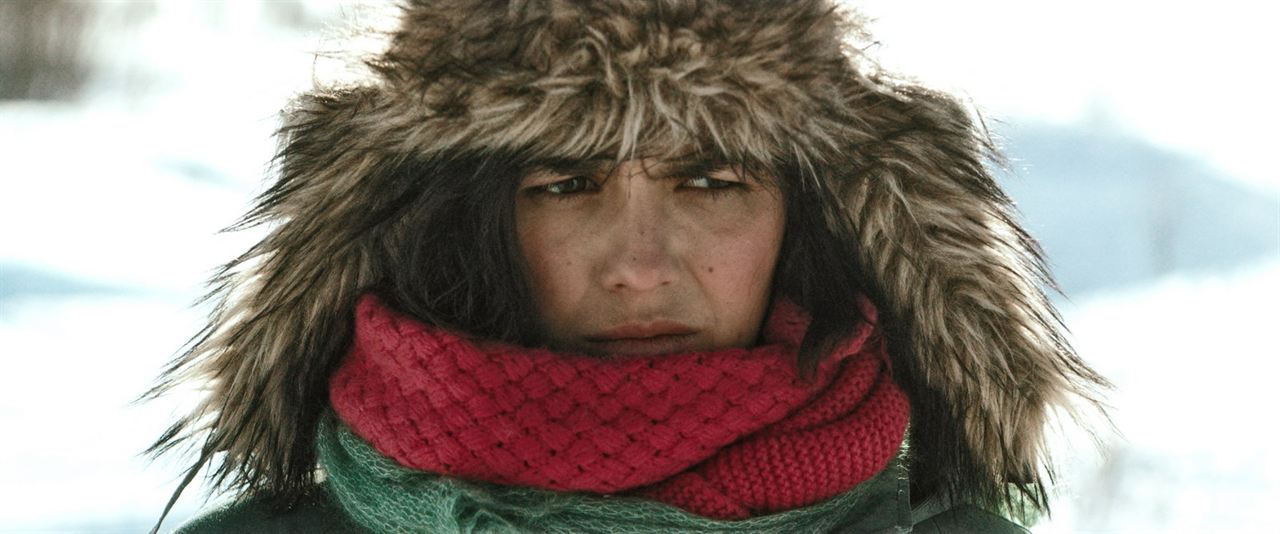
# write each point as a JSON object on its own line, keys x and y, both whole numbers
{"x": 741, "y": 260}
{"x": 744, "y": 237}
{"x": 735, "y": 257}
{"x": 549, "y": 261}
{"x": 557, "y": 254}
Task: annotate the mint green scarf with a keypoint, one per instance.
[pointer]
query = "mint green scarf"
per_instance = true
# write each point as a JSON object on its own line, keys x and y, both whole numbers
{"x": 384, "y": 497}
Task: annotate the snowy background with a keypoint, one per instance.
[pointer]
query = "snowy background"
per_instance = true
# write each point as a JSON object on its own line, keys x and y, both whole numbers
{"x": 1140, "y": 135}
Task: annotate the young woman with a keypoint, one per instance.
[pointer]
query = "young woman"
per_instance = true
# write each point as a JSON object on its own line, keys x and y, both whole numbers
{"x": 629, "y": 266}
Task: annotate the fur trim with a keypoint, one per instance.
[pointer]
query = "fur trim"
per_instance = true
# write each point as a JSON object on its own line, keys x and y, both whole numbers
{"x": 976, "y": 344}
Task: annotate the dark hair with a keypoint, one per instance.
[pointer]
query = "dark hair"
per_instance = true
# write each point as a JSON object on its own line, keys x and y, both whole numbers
{"x": 455, "y": 263}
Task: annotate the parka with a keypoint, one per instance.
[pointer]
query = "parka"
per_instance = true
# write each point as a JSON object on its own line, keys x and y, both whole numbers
{"x": 905, "y": 171}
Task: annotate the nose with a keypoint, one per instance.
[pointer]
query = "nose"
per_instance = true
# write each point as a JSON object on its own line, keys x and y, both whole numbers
{"x": 639, "y": 257}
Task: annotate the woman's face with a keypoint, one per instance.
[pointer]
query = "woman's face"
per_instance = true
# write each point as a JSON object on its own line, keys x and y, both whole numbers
{"x": 654, "y": 257}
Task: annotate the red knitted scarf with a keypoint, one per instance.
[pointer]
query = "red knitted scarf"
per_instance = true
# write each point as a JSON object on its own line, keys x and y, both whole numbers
{"x": 727, "y": 434}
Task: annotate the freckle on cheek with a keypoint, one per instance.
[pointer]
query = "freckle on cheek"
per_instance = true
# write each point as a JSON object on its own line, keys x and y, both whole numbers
{"x": 711, "y": 269}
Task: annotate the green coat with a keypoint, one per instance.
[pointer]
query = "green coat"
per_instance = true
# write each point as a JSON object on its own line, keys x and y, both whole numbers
{"x": 318, "y": 513}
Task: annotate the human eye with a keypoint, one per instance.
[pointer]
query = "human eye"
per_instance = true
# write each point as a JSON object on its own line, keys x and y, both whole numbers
{"x": 564, "y": 188}
{"x": 711, "y": 185}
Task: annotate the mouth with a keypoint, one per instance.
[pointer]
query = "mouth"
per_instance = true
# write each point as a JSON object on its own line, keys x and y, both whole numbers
{"x": 644, "y": 338}
{"x": 660, "y": 344}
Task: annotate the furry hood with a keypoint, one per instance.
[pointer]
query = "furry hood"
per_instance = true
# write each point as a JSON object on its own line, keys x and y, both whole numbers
{"x": 975, "y": 342}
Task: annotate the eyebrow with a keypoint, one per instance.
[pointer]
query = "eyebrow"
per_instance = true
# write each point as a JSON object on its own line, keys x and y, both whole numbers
{"x": 670, "y": 168}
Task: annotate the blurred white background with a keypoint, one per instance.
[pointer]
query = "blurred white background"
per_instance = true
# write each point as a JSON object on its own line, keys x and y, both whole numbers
{"x": 1139, "y": 135}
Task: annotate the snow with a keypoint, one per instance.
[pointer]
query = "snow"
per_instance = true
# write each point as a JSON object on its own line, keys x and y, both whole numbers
{"x": 1194, "y": 362}
{"x": 1187, "y": 75}
{"x": 72, "y": 451}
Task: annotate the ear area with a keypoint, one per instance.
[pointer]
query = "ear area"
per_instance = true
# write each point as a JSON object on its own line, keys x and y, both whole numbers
{"x": 282, "y": 310}
{"x": 978, "y": 346}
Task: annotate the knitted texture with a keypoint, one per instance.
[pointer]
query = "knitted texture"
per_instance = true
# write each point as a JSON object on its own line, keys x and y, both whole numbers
{"x": 385, "y": 497}
{"x": 727, "y": 434}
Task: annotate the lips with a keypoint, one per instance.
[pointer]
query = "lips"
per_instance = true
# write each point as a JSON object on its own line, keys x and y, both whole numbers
{"x": 644, "y": 338}
{"x": 645, "y": 346}
{"x": 642, "y": 331}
